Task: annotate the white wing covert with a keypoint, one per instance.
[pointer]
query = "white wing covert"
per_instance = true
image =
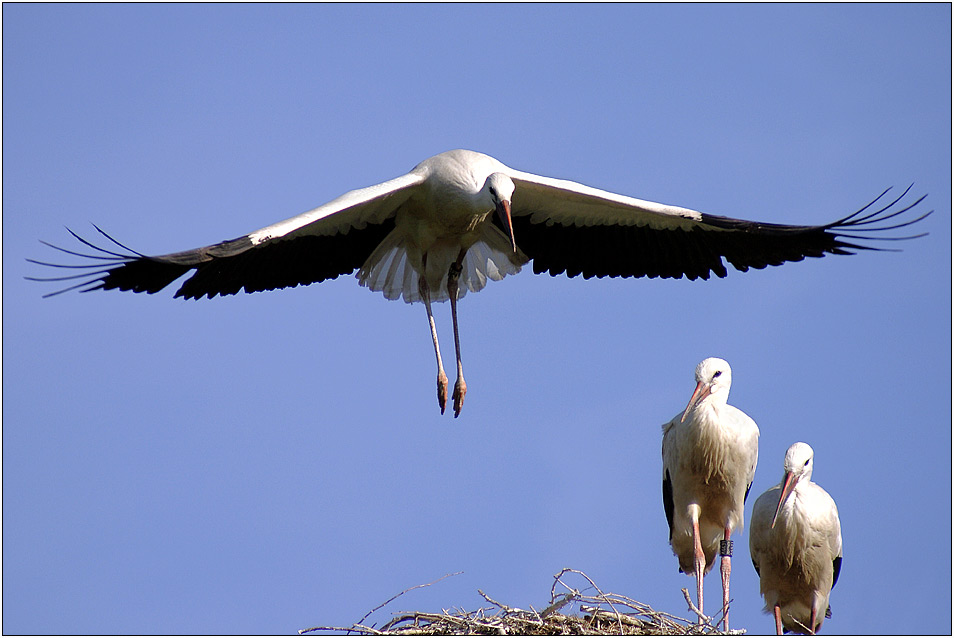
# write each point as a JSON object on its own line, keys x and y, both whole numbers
{"x": 331, "y": 240}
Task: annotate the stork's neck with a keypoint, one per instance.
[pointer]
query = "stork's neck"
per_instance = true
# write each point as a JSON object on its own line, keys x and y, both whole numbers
{"x": 793, "y": 515}
{"x": 708, "y": 417}
{"x": 715, "y": 403}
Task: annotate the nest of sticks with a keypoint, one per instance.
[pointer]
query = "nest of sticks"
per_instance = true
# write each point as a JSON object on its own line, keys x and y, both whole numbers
{"x": 570, "y": 612}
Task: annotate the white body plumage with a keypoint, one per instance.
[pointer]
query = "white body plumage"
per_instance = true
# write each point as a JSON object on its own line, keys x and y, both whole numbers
{"x": 796, "y": 545}
{"x": 710, "y": 460}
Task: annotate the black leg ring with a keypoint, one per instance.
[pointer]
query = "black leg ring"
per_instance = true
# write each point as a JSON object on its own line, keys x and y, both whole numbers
{"x": 725, "y": 548}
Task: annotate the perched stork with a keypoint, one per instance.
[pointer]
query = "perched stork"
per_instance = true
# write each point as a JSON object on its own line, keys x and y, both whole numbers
{"x": 461, "y": 218}
{"x": 709, "y": 462}
{"x": 795, "y": 544}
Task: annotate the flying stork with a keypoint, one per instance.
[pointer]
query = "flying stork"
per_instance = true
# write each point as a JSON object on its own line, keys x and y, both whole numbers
{"x": 461, "y": 218}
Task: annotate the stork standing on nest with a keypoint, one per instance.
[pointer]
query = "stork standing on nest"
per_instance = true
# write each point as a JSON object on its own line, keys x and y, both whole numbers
{"x": 795, "y": 543}
{"x": 461, "y": 218}
{"x": 709, "y": 456}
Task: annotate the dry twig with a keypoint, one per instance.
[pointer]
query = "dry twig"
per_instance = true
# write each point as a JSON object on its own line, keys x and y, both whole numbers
{"x": 600, "y": 614}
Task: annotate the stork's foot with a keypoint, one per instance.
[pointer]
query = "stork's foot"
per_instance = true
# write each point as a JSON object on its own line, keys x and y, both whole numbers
{"x": 460, "y": 390}
{"x": 442, "y": 391}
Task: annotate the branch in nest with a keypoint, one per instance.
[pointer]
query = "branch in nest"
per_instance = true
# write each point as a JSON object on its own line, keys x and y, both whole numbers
{"x": 600, "y": 614}
{"x": 386, "y": 602}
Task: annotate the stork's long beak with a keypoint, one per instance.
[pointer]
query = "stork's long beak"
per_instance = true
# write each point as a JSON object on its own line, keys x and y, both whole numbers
{"x": 503, "y": 212}
{"x": 701, "y": 392}
{"x": 787, "y": 486}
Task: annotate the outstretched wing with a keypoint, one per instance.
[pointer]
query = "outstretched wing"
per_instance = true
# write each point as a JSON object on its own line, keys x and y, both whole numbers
{"x": 333, "y": 239}
{"x": 566, "y": 227}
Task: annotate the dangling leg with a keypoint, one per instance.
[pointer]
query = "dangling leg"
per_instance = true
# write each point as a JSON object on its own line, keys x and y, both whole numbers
{"x": 700, "y": 563}
{"x": 725, "y": 548}
{"x": 814, "y": 616}
{"x": 778, "y": 620}
{"x": 453, "y": 275}
{"x": 426, "y": 296}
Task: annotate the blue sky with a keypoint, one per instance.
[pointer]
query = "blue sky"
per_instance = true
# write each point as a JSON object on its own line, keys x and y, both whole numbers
{"x": 268, "y": 462}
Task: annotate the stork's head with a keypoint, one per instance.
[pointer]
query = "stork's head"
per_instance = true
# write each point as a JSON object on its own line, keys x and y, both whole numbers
{"x": 799, "y": 460}
{"x": 713, "y": 379}
{"x": 500, "y": 188}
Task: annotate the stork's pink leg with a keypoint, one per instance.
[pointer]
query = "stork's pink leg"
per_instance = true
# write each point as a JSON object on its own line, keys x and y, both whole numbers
{"x": 453, "y": 276}
{"x": 778, "y": 620}
{"x": 441, "y": 376}
{"x": 814, "y": 617}
{"x": 726, "y": 551}
{"x": 700, "y": 563}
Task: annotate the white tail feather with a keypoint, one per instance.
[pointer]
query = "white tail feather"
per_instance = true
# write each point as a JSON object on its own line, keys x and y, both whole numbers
{"x": 394, "y": 268}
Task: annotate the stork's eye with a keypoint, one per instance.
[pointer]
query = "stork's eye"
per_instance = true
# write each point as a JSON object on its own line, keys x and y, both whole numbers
{"x": 806, "y": 462}
{"x": 716, "y": 375}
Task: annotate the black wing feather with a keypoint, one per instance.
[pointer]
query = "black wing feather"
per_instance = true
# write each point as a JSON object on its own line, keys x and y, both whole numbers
{"x": 286, "y": 264}
{"x": 668, "y": 502}
{"x": 228, "y": 267}
{"x": 592, "y": 251}
{"x": 698, "y": 252}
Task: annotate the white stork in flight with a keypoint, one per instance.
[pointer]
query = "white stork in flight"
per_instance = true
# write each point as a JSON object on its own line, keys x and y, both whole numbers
{"x": 461, "y": 218}
{"x": 795, "y": 543}
{"x": 709, "y": 462}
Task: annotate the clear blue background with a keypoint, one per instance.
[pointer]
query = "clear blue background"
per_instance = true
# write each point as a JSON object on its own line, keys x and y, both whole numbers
{"x": 269, "y": 462}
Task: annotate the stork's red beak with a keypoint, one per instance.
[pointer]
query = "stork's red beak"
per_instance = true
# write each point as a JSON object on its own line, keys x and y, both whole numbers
{"x": 503, "y": 212}
{"x": 787, "y": 486}
{"x": 701, "y": 392}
